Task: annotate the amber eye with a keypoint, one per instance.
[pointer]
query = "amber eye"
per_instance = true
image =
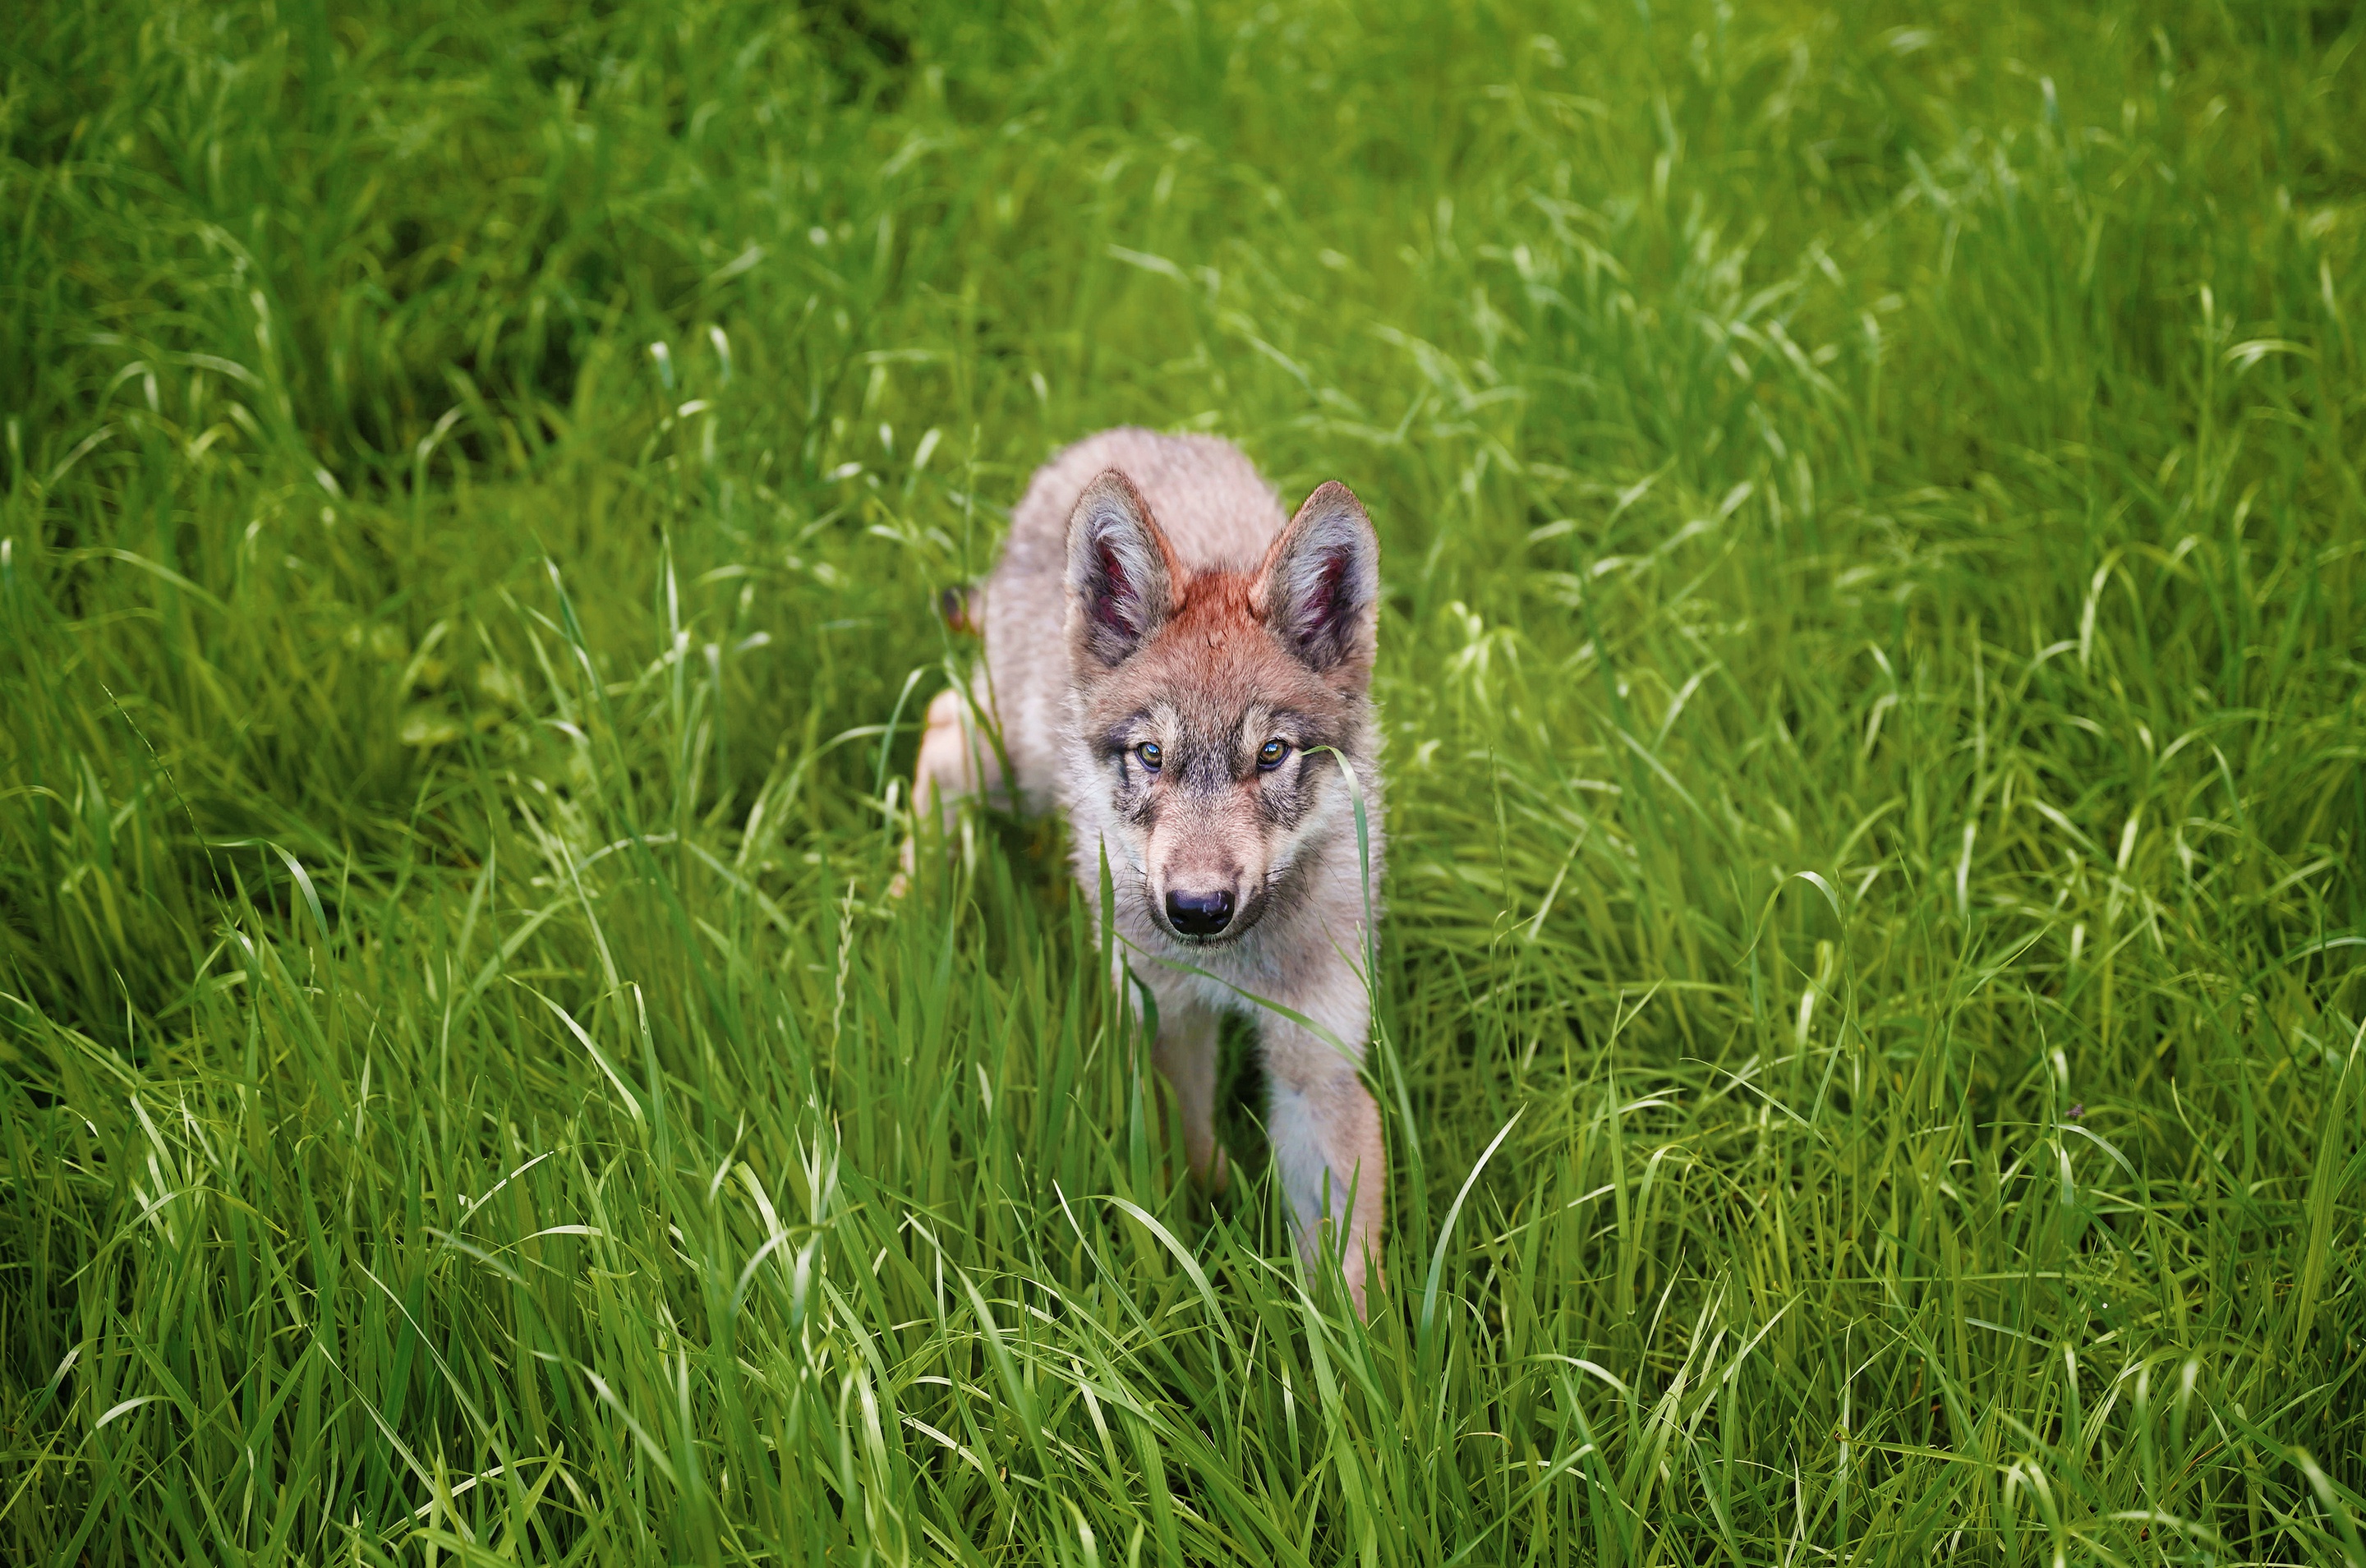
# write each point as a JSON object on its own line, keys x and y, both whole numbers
{"x": 1271, "y": 755}
{"x": 1149, "y": 753}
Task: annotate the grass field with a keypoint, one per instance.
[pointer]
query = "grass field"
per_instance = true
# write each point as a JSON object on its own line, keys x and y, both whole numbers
{"x": 1874, "y": 531}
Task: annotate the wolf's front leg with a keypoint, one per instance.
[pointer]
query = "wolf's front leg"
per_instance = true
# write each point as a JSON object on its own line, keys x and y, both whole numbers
{"x": 1326, "y": 1130}
{"x": 1185, "y": 1057}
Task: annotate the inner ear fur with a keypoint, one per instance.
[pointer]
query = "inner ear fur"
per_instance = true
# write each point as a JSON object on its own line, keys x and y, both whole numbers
{"x": 1320, "y": 587}
{"x": 1122, "y": 575}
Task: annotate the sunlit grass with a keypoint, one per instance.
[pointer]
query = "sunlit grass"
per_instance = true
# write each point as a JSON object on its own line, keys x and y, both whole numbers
{"x": 1873, "y": 528}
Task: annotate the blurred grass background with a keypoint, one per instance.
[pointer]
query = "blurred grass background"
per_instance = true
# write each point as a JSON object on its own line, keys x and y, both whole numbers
{"x": 1873, "y": 515}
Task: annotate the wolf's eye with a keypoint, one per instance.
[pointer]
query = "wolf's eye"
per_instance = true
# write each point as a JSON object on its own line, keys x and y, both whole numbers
{"x": 1149, "y": 753}
{"x": 1271, "y": 755}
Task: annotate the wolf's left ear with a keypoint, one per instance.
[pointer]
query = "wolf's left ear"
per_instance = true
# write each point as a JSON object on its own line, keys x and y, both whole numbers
{"x": 1320, "y": 589}
{"x": 1121, "y": 571}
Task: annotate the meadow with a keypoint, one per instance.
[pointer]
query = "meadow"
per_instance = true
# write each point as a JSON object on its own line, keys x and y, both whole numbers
{"x": 1874, "y": 517}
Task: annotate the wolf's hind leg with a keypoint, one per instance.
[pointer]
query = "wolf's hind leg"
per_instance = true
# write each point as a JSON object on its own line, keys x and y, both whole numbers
{"x": 957, "y": 759}
{"x": 1185, "y": 1057}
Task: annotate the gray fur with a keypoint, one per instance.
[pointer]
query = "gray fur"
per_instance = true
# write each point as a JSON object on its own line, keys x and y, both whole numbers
{"x": 1152, "y": 589}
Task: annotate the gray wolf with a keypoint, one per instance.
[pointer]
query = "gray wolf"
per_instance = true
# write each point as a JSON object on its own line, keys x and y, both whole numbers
{"x": 1177, "y": 667}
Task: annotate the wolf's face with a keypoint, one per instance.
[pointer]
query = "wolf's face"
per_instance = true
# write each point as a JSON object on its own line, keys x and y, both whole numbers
{"x": 1211, "y": 704}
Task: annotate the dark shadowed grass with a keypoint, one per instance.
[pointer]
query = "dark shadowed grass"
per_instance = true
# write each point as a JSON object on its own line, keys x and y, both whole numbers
{"x": 1873, "y": 522}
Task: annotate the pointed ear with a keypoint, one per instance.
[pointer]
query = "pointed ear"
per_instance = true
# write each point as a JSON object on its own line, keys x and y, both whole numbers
{"x": 1320, "y": 589}
{"x": 1121, "y": 573}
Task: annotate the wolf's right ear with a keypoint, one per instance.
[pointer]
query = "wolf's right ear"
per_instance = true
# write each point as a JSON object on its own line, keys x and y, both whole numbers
{"x": 1122, "y": 573}
{"x": 1319, "y": 588}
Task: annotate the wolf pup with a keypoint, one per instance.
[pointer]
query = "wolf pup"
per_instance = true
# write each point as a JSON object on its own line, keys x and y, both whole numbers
{"x": 1177, "y": 667}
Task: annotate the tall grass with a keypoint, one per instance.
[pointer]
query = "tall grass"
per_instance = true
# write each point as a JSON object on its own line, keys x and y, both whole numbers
{"x": 1872, "y": 516}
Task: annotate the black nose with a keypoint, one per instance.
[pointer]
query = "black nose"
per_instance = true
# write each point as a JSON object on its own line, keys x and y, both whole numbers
{"x": 1200, "y": 914}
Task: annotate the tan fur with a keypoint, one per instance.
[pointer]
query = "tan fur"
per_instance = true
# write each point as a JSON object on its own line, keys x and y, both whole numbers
{"x": 1152, "y": 590}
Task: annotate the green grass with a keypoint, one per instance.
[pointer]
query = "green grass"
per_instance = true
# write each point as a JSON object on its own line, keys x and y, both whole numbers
{"x": 1874, "y": 532}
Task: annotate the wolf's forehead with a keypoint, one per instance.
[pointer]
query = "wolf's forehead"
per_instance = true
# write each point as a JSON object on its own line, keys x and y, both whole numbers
{"x": 1211, "y": 692}
{"x": 1193, "y": 718}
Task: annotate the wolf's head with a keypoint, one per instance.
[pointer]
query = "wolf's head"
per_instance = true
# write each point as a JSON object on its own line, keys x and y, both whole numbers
{"x": 1205, "y": 700}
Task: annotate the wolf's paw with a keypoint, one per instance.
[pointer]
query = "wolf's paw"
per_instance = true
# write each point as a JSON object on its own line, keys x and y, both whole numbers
{"x": 901, "y": 882}
{"x": 1362, "y": 1275}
